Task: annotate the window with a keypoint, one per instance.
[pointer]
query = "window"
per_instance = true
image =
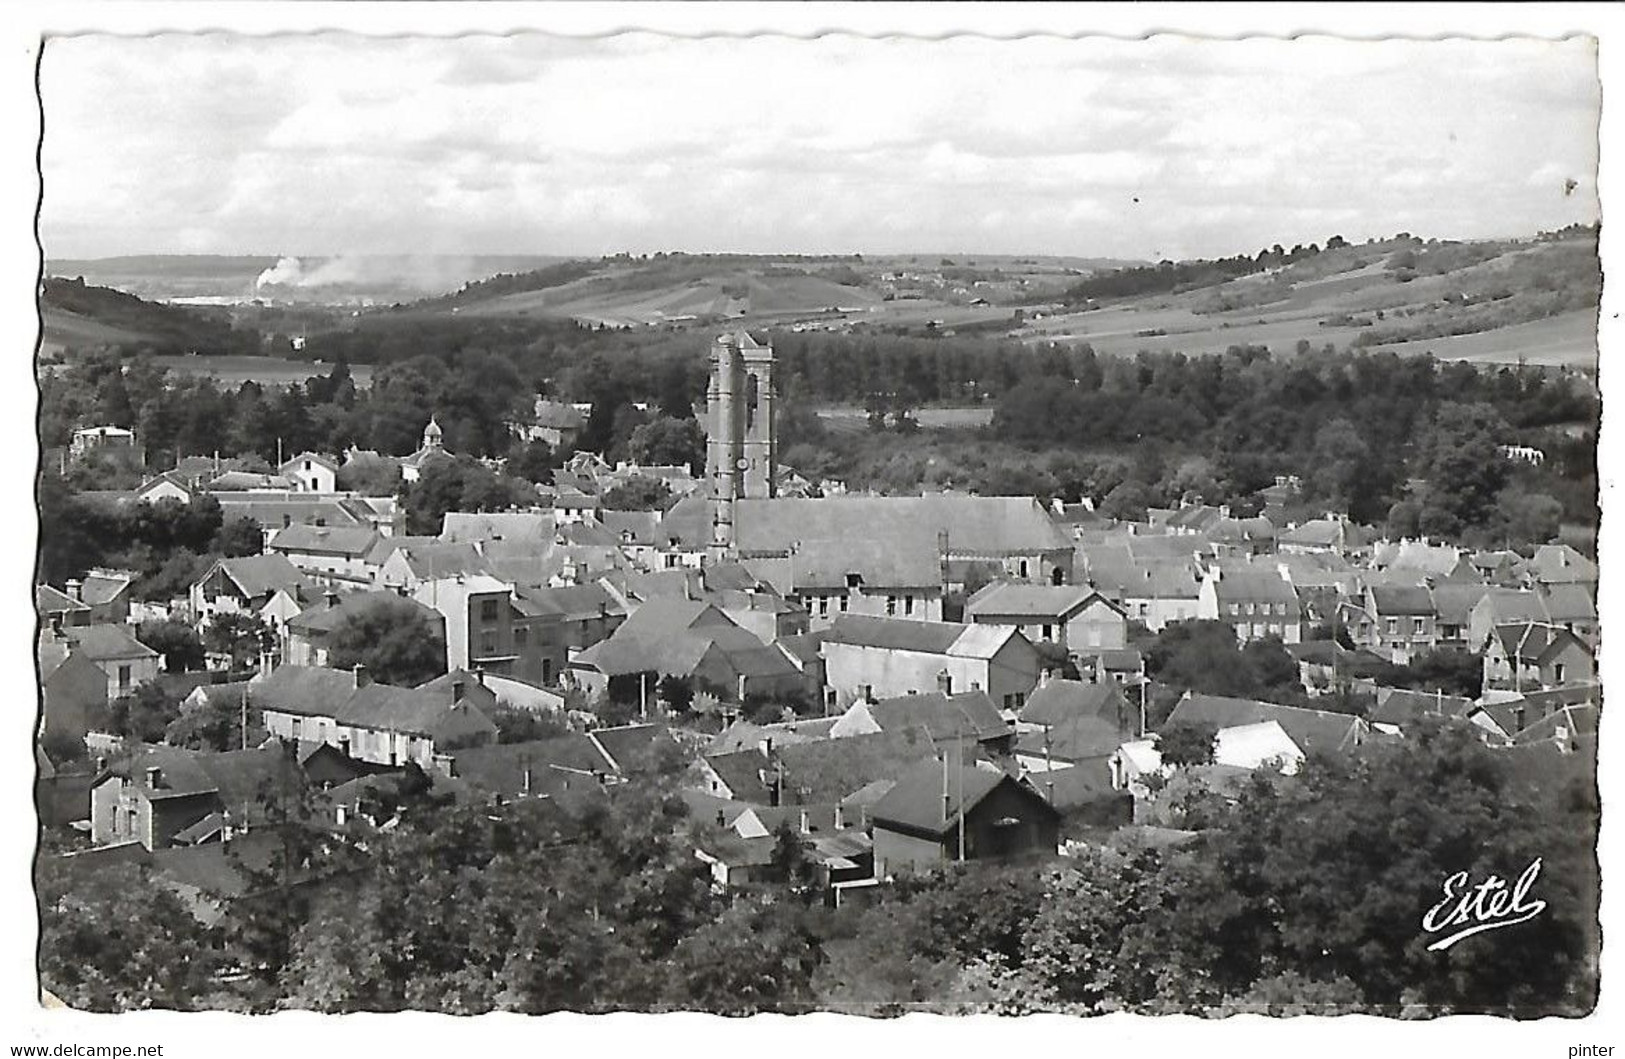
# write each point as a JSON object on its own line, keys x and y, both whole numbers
{"x": 1021, "y": 568}
{"x": 843, "y": 604}
{"x": 1049, "y": 632}
{"x": 1280, "y": 608}
{"x": 521, "y": 636}
{"x": 488, "y": 644}
{"x": 1249, "y": 608}
{"x": 488, "y": 610}
{"x": 908, "y": 604}
{"x": 1393, "y": 626}
{"x": 1417, "y": 627}
{"x": 124, "y": 678}
{"x": 1235, "y": 608}
{"x": 823, "y": 605}
{"x": 1258, "y": 630}
{"x": 547, "y": 671}
{"x": 891, "y": 606}
{"x": 1558, "y": 670}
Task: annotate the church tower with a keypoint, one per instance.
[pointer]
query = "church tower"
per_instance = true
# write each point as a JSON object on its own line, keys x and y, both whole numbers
{"x": 741, "y": 450}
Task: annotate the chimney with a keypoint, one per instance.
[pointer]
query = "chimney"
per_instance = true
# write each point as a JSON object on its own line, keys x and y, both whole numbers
{"x": 154, "y": 776}
{"x": 1044, "y": 676}
{"x": 287, "y": 520}
{"x": 76, "y": 589}
{"x": 331, "y": 597}
{"x": 479, "y": 675}
{"x": 101, "y": 762}
{"x": 525, "y": 780}
{"x": 840, "y": 816}
{"x": 56, "y": 625}
{"x": 457, "y": 690}
{"x": 945, "y": 682}
{"x": 344, "y": 745}
{"x": 976, "y": 685}
{"x": 722, "y": 818}
{"x": 361, "y": 677}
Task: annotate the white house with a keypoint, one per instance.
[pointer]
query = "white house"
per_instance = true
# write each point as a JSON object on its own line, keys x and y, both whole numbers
{"x": 880, "y": 658}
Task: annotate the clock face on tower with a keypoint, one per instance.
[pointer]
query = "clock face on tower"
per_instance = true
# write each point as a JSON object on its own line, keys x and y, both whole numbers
{"x": 743, "y": 464}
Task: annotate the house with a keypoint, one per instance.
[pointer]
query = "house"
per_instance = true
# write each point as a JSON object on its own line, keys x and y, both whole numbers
{"x": 249, "y": 482}
{"x": 125, "y": 662}
{"x": 874, "y": 658}
{"x": 566, "y": 619}
{"x": 1075, "y": 618}
{"x": 94, "y": 439}
{"x": 536, "y": 528}
{"x": 338, "y": 551}
{"x": 411, "y": 565}
{"x": 1255, "y": 603}
{"x": 1532, "y": 654}
{"x": 106, "y": 593}
{"x": 691, "y": 639}
{"x": 1332, "y": 535}
{"x": 816, "y": 772}
{"x": 1237, "y": 749}
{"x": 541, "y": 768}
{"x": 73, "y": 694}
{"x": 309, "y": 633}
{"x": 1398, "y": 708}
{"x": 57, "y": 609}
{"x": 556, "y": 423}
{"x": 939, "y": 812}
{"x": 1503, "y": 606}
{"x": 966, "y": 717}
{"x": 1404, "y": 623}
{"x": 165, "y": 486}
{"x": 1311, "y": 730}
{"x": 267, "y": 586}
{"x": 1453, "y": 604}
{"x": 272, "y": 511}
{"x": 311, "y": 472}
{"x": 1056, "y": 702}
{"x": 1242, "y": 536}
{"x": 1561, "y": 564}
{"x": 486, "y": 629}
{"x": 1572, "y": 605}
{"x": 163, "y": 796}
{"x": 375, "y": 723}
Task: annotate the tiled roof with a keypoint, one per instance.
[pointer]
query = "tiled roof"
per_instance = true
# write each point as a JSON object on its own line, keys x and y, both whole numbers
{"x": 48, "y": 600}
{"x": 1060, "y": 701}
{"x": 465, "y": 527}
{"x": 1031, "y": 601}
{"x": 1254, "y": 586}
{"x": 102, "y": 587}
{"x": 354, "y": 542}
{"x": 106, "y": 643}
{"x": 1075, "y": 738}
{"x": 260, "y": 575}
{"x": 917, "y": 801}
{"x": 323, "y": 618}
{"x": 630, "y": 747}
{"x": 1310, "y": 729}
{"x": 303, "y": 690}
{"x": 967, "y": 715}
{"x": 1401, "y": 600}
{"x": 994, "y": 525}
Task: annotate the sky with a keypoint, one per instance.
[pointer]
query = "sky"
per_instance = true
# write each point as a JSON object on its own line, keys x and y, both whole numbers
{"x": 1171, "y": 147}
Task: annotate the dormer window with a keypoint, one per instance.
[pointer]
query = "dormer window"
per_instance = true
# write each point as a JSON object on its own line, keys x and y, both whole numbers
{"x": 854, "y": 580}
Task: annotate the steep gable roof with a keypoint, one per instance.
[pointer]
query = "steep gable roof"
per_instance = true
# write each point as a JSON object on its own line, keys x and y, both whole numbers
{"x": 1063, "y": 700}
{"x": 1395, "y": 600}
{"x": 261, "y": 575}
{"x": 303, "y": 690}
{"x": 967, "y": 715}
{"x": 1033, "y": 601}
{"x": 1310, "y": 729}
{"x": 917, "y": 801}
{"x": 48, "y": 600}
{"x": 351, "y": 541}
{"x": 106, "y": 643}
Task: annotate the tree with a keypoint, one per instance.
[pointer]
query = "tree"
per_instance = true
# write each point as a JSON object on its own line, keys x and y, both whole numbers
{"x": 533, "y": 461}
{"x": 237, "y": 537}
{"x": 217, "y": 725}
{"x": 1460, "y": 458}
{"x": 393, "y": 637}
{"x": 1202, "y": 656}
{"x": 516, "y": 725}
{"x": 116, "y": 940}
{"x": 145, "y": 713}
{"x": 1183, "y": 745}
{"x": 1127, "y": 501}
{"x": 370, "y": 476}
{"x": 1528, "y": 518}
{"x": 178, "y": 642}
{"x": 665, "y": 441}
{"x": 638, "y": 493}
{"x": 238, "y": 637}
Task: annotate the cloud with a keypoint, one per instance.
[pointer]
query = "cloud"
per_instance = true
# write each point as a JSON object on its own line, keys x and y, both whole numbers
{"x": 329, "y": 144}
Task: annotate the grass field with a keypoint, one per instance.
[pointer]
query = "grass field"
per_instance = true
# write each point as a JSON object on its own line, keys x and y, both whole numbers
{"x": 1568, "y": 340}
{"x": 267, "y": 371}
{"x": 849, "y": 420}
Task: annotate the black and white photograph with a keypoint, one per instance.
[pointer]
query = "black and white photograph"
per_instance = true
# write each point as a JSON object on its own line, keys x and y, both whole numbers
{"x": 615, "y": 517}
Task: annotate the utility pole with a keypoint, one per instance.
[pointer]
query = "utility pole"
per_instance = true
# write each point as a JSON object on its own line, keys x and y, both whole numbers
{"x": 244, "y": 718}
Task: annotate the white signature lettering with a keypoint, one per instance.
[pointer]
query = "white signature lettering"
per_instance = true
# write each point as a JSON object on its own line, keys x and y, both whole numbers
{"x": 1467, "y": 910}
